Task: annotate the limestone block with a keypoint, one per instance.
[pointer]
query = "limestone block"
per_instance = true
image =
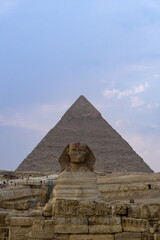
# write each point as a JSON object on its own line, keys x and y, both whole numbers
{"x": 97, "y": 229}
{"x": 8, "y": 204}
{"x": 91, "y": 237}
{"x": 2, "y": 218}
{"x": 154, "y": 210}
{"x": 104, "y": 224}
{"x": 61, "y": 237}
{"x": 134, "y": 225}
{"x": 86, "y": 208}
{"x": 70, "y": 220}
{"x": 103, "y": 209}
{"x": 148, "y": 236}
{"x": 42, "y": 229}
{"x": 20, "y": 230}
{"x": 41, "y": 235}
{"x": 120, "y": 210}
{"x": 21, "y": 221}
{"x": 64, "y": 207}
{"x": 21, "y": 206}
{"x": 36, "y": 213}
{"x": 48, "y": 210}
{"x": 157, "y": 236}
{"x": 67, "y": 228}
{"x": 42, "y": 225}
{"x": 14, "y": 236}
{"x": 17, "y": 193}
{"x": 65, "y": 202}
{"x": 144, "y": 212}
{"x": 104, "y": 220}
{"x": 128, "y": 236}
{"x": 133, "y": 211}
{"x": 4, "y": 233}
{"x": 65, "y": 210}
{"x": 70, "y": 225}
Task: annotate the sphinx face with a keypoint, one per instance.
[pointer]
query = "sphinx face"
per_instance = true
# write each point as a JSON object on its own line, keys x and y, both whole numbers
{"x": 77, "y": 153}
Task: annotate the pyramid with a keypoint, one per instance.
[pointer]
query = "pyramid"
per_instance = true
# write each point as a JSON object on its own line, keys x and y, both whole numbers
{"x": 83, "y": 122}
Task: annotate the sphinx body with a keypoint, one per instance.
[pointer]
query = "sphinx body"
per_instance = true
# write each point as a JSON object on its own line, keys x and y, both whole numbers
{"x": 77, "y": 181}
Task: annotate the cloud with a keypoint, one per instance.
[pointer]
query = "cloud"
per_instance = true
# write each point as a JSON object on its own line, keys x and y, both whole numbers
{"x": 151, "y": 105}
{"x": 156, "y": 76}
{"x": 136, "y": 101}
{"x": 119, "y": 123}
{"x": 20, "y": 123}
{"x": 128, "y": 92}
{"x": 39, "y": 118}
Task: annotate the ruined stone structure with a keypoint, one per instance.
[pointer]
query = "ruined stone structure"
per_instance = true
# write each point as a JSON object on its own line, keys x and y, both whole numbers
{"x": 82, "y": 216}
{"x": 83, "y": 123}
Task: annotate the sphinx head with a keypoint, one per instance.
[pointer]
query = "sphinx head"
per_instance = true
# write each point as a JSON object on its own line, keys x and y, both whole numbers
{"x": 77, "y": 154}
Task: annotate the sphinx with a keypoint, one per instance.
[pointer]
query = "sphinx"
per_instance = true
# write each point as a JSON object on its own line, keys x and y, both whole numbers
{"x": 77, "y": 180}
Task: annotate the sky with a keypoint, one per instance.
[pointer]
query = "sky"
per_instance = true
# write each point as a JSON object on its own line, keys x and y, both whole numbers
{"x": 53, "y": 51}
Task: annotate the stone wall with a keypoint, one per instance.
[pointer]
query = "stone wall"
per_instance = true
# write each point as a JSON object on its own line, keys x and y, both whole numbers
{"x": 86, "y": 220}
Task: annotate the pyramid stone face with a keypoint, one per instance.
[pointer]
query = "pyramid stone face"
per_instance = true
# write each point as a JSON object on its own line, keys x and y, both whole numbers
{"x": 82, "y": 122}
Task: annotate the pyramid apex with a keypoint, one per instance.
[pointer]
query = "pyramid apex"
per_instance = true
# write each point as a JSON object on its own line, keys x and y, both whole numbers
{"x": 82, "y": 97}
{"x": 81, "y": 108}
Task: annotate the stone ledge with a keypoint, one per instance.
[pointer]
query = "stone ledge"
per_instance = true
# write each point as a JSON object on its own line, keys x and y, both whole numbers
{"x": 21, "y": 221}
{"x": 67, "y": 228}
{"x": 134, "y": 225}
{"x": 128, "y": 236}
{"x": 97, "y": 229}
{"x": 91, "y": 237}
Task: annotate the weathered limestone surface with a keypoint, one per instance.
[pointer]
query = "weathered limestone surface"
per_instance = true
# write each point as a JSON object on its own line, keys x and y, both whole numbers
{"x": 92, "y": 237}
{"x": 20, "y": 197}
{"x": 140, "y": 187}
{"x": 76, "y": 182}
{"x": 128, "y": 236}
{"x": 71, "y": 220}
{"x": 76, "y": 185}
{"x": 77, "y": 211}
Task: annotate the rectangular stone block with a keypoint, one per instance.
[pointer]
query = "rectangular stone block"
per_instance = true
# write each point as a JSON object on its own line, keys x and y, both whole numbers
{"x": 157, "y": 236}
{"x": 104, "y": 220}
{"x": 4, "y": 232}
{"x": 36, "y": 213}
{"x": 134, "y": 225}
{"x": 42, "y": 225}
{"x": 14, "y": 236}
{"x": 86, "y": 208}
{"x": 128, "y": 236}
{"x": 91, "y": 237}
{"x": 67, "y": 228}
{"x": 20, "y": 230}
{"x": 2, "y": 218}
{"x": 70, "y": 220}
{"x": 103, "y": 209}
{"x": 65, "y": 210}
{"x": 149, "y": 236}
{"x": 41, "y": 235}
{"x": 120, "y": 210}
{"x": 42, "y": 229}
{"x": 96, "y": 229}
{"x": 21, "y": 221}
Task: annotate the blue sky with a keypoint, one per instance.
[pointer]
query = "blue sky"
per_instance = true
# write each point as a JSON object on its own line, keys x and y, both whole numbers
{"x": 51, "y": 52}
